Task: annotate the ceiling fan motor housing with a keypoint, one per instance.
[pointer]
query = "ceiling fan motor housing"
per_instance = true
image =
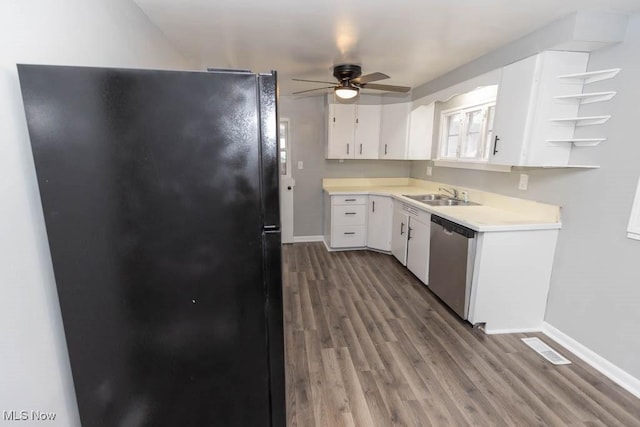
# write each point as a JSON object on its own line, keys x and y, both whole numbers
{"x": 347, "y": 72}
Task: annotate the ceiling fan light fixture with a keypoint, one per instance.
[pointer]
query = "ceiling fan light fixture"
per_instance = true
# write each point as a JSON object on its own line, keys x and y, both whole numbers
{"x": 346, "y": 92}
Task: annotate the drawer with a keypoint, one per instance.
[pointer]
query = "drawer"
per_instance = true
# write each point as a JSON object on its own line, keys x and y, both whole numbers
{"x": 348, "y": 200}
{"x": 347, "y": 236}
{"x": 348, "y": 215}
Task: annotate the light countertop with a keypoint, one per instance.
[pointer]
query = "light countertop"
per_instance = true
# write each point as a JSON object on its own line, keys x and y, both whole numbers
{"x": 495, "y": 212}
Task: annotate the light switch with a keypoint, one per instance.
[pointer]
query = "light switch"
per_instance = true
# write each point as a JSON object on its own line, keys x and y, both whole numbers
{"x": 300, "y": 164}
{"x": 429, "y": 170}
{"x": 524, "y": 181}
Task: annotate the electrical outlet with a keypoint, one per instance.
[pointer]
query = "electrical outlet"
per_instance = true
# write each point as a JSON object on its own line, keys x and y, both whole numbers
{"x": 524, "y": 181}
{"x": 300, "y": 165}
{"x": 429, "y": 171}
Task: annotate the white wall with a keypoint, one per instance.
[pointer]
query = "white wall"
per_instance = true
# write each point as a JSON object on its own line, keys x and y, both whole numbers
{"x": 595, "y": 287}
{"x": 34, "y": 367}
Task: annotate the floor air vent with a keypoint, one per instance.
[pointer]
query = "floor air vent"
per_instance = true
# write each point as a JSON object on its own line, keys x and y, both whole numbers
{"x": 545, "y": 351}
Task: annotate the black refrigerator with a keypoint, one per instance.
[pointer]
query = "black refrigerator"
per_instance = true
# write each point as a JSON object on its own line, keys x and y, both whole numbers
{"x": 160, "y": 197}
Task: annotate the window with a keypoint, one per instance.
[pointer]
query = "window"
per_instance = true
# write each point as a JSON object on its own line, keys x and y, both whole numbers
{"x": 284, "y": 148}
{"x": 465, "y": 133}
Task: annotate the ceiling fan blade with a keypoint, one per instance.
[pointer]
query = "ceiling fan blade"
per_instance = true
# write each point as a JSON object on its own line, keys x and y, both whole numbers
{"x": 313, "y": 81}
{"x": 389, "y": 88}
{"x": 311, "y": 90}
{"x": 373, "y": 77}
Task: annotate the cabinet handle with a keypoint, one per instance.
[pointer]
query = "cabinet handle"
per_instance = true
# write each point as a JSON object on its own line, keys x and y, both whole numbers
{"x": 360, "y": 148}
{"x": 374, "y": 205}
{"x": 349, "y": 200}
{"x": 385, "y": 149}
{"x": 350, "y": 232}
{"x": 347, "y": 148}
{"x": 401, "y": 228}
{"x": 495, "y": 145}
{"x": 409, "y": 235}
{"x": 349, "y": 213}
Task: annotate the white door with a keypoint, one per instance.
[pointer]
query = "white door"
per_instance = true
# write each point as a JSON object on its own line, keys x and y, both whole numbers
{"x": 418, "y": 249}
{"x": 287, "y": 183}
{"x": 379, "y": 222}
{"x": 399, "y": 235}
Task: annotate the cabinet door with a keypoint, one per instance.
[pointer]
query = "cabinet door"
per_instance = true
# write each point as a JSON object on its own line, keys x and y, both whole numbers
{"x": 512, "y": 118}
{"x": 420, "y": 132}
{"x": 367, "y": 131}
{"x": 342, "y": 119}
{"x": 418, "y": 249}
{"x": 393, "y": 131}
{"x": 399, "y": 233}
{"x": 380, "y": 223}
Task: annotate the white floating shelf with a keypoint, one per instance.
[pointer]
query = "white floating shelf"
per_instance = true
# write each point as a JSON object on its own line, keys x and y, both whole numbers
{"x": 592, "y": 76}
{"x": 587, "y": 98}
{"x": 571, "y": 166}
{"x": 580, "y": 142}
{"x": 583, "y": 121}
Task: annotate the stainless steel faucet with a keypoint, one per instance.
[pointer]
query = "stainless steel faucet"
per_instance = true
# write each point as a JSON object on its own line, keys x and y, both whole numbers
{"x": 452, "y": 191}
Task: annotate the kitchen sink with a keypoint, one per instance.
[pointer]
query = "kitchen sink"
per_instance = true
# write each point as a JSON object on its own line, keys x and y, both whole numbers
{"x": 449, "y": 202}
{"x": 439, "y": 200}
{"x": 427, "y": 197}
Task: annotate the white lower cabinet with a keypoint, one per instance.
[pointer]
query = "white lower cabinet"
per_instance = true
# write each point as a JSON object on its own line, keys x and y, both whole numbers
{"x": 511, "y": 279}
{"x": 418, "y": 247}
{"x": 400, "y": 226}
{"x": 410, "y": 239}
{"x": 511, "y": 269}
{"x": 348, "y": 223}
{"x": 380, "y": 213}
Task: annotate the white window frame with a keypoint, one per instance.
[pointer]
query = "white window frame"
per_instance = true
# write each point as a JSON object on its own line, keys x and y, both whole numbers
{"x": 464, "y": 127}
{"x": 287, "y": 149}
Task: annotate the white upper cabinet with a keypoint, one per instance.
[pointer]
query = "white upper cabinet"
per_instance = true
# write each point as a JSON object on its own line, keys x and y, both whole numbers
{"x": 342, "y": 120}
{"x": 531, "y": 113}
{"x": 353, "y": 130}
{"x": 420, "y": 137}
{"x": 367, "y": 131}
{"x": 394, "y": 131}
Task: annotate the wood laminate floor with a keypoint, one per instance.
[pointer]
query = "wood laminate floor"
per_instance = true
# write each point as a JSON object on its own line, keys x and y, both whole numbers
{"x": 368, "y": 345}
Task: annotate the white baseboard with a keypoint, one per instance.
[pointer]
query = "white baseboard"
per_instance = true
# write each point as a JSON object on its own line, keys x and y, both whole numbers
{"x": 614, "y": 373}
{"x": 510, "y": 331}
{"x": 305, "y": 239}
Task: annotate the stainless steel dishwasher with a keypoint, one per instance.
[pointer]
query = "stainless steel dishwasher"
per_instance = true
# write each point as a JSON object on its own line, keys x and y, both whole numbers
{"x": 451, "y": 258}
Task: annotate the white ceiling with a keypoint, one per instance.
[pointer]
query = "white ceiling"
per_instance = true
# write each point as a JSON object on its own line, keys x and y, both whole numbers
{"x": 413, "y": 41}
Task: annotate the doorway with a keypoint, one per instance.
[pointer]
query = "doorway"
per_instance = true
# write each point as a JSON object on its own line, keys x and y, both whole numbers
{"x": 287, "y": 183}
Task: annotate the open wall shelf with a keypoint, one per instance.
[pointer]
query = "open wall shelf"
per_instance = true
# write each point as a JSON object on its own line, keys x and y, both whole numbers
{"x": 591, "y": 76}
{"x": 582, "y": 121}
{"x": 580, "y": 142}
{"x": 587, "y": 98}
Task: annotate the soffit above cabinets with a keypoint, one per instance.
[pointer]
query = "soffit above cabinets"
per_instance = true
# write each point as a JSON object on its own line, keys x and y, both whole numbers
{"x": 414, "y": 41}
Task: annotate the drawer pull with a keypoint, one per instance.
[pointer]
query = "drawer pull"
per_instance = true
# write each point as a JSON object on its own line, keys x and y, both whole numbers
{"x": 350, "y": 213}
{"x": 349, "y": 232}
{"x": 349, "y": 200}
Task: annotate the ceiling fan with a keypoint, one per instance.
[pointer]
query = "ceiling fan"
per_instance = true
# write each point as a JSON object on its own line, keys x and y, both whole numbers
{"x": 351, "y": 80}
